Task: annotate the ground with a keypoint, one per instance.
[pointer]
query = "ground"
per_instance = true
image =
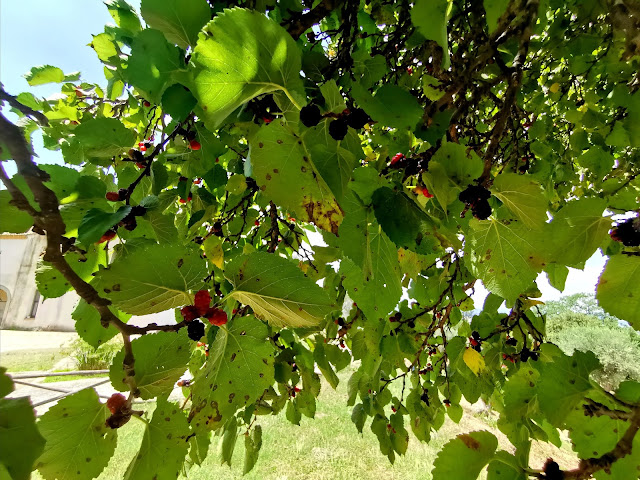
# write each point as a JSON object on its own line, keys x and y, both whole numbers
{"x": 327, "y": 447}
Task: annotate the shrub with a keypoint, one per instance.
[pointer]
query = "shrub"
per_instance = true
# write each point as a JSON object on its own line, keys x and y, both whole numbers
{"x": 88, "y": 358}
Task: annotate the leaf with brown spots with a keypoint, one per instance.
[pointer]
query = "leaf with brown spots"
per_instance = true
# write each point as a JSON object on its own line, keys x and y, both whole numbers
{"x": 161, "y": 359}
{"x": 277, "y": 290}
{"x": 164, "y": 445}
{"x": 297, "y": 186}
{"x": 224, "y": 385}
{"x": 465, "y": 456}
{"x": 505, "y": 255}
{"x": 79, "y": 444}
{"x": 152, "y": 279}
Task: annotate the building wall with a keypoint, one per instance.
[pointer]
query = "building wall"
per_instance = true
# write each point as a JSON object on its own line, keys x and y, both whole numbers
{"x": 19, "y": 256}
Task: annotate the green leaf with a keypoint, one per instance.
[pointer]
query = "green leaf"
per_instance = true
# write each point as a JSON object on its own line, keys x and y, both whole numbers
{"x": 523, "y": 197}
{"x": 161, "y": 359}
{"x": 96, "y": 222}
{"x": 240, "y": 55}
{"x": 20, "y": 442}
{"x": 12, "y": 219}
{"x": 465, "y": 456}
{"x": 564, "y": 381}
{"x": 593, "y": 436}
{"x": 52, "y": 284}
{"x": 124, "y": 15}
{"x": 459, "y": 165}
{"x": 334, "y": 163}
{"x": 238, "y": 370}
{"x": 252, "y": 446}
{"x": 285, "y": 172}
{"x": 6, "y": 384}
{"x": 629, "y": 391}
{"x": 229, "y": 440}
{"x": 577, "y": 231}
{"x": 618, "y": 289}
{"x": 392, "y": 106}
{"x": 152, "y": 279}
{"x": 104, "y": 137}
{"x": 503, "y": 255}
{"x": 164, "y": 445}
{"x": 505, "y": 466}
{"x": 44, "y": 74}
{"x": 151, "y": 63}
{"x": 89, "y": 327}
{"x": 430, "y": 18}
{"x": 366, "y": 180}
{"x": 494, "y": 10}
{"x": 596, "y": 160}
{"x": 79, "y": 444}
{"x": 277, "y": 290}
{"x": 178, "y": 101}
{"x": 404, "y": 221}
{"x": 373, "y": 279}
{"x": 179, "y": 20}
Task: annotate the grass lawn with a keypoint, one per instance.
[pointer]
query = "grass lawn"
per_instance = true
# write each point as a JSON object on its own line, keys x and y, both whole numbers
{"x": 327, "y": 447}
{"x": 31, "y": 360}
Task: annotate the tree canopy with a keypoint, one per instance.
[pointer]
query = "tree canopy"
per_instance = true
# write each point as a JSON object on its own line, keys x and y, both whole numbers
{"x": 309, "y": 184}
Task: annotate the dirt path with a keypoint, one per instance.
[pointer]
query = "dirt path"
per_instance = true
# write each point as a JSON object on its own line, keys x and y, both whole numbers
{"x": 11, "y": 340}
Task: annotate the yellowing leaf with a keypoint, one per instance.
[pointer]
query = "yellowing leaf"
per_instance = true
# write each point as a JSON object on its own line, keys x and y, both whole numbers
{"x": 530, "y": 302}
{"x": 474, "y": 360}
{"x": 554, "y": 88}
{"x": 213, "y": 250}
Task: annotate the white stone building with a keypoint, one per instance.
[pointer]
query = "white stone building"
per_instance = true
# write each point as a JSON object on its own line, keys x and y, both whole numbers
{"x": 22, "y": 307}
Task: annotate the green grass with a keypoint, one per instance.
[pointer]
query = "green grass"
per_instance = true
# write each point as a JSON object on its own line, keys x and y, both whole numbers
{"x": 327, "y": 447}
{"x": 31, "y": 360}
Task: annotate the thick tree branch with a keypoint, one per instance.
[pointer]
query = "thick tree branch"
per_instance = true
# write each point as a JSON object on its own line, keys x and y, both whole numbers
{"x": 13, "y": 101}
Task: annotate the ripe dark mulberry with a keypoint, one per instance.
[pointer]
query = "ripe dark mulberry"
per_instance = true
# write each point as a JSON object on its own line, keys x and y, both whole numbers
{"x": 627, "y": 233}
{"x": 357, "y": 119}
{"x": 310, "y": 115}
{"x": 338, "y": 129}
{"x": 195, "y": 330}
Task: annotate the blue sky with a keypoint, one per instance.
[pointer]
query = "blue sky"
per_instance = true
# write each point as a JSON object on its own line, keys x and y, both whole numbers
{"x": 57, "y": 32}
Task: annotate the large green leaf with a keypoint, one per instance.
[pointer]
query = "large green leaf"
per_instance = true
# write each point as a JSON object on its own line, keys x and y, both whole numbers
{"x": 179, "y": 20}
{"x": 20, "y": 442}
{"x": 277, "y": 290}
{"x": 577, "y": 231}
{"x": 238, "y": 370}
{"x": 151, "y": 63}
{"x": 392, "y": 106}
{"x": 79, "y": 443}
{"x": 618, "y": 290}
{"x": 373, "y": 280}
{"x": 152, "y": 279}
{"x": 89, "y": 327}
{"x": 285, "y": 172}
{"x": 44, "y": 74}
{"x": 164, "y": 445}
{"x": 504, "y": 255}
{"x": 523, "y": 197}
{"x": 563, "y": 381}
{"x": 104, "y": 137}
{"x": 240, "y": 55}
{"x": 161, "y": 359}
{"x": 465, "y": 456}
{"x": 494, "y": 10}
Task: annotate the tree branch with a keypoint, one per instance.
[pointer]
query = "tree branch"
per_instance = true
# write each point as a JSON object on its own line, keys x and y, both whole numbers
{"x": 301, "y": 23}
